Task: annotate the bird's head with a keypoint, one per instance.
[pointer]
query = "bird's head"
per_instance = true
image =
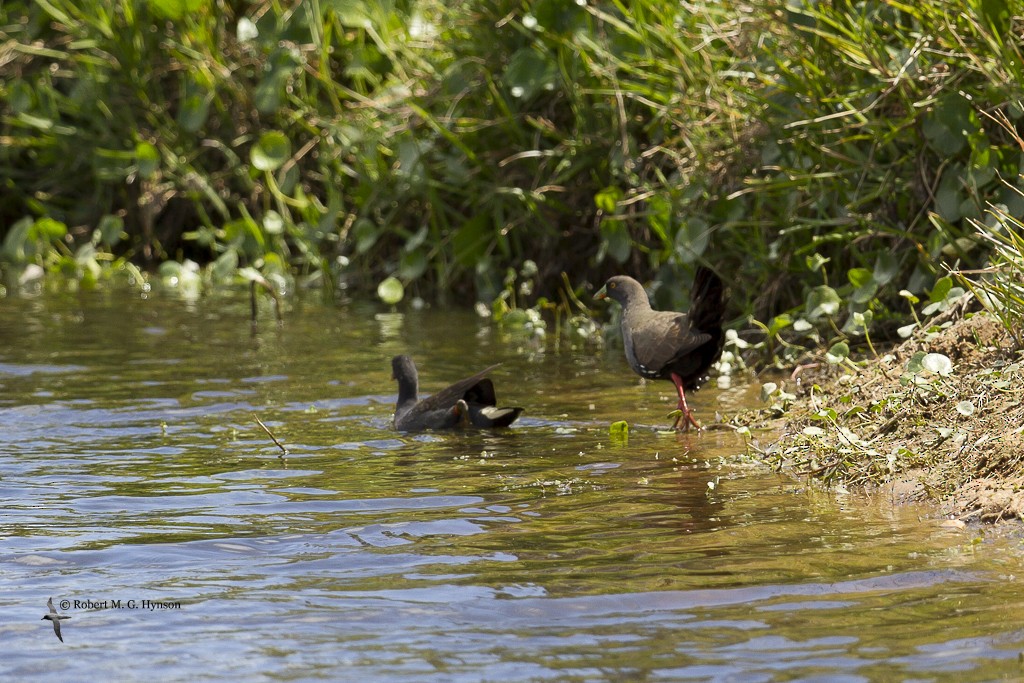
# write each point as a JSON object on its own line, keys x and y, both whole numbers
{"x": 623, "y": 289}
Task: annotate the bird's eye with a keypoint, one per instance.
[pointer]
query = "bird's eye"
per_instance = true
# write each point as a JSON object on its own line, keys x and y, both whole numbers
{"x": 611, "y": 285}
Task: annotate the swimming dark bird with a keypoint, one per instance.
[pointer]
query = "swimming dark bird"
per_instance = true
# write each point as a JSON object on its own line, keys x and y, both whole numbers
{"x": 679, "y": 347}
{"x": 55, "y": 618}
{"x": 469, "y": 401}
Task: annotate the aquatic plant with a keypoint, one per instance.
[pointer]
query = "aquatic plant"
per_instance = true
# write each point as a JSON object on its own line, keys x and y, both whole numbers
{"x": 828, "y": 155}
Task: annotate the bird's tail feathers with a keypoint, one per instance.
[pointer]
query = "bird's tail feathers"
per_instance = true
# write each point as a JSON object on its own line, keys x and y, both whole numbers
{"x": 707, "y": 300}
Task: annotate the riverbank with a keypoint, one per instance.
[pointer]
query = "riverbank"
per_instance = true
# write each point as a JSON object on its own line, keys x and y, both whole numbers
{"x": 938, "y": 418}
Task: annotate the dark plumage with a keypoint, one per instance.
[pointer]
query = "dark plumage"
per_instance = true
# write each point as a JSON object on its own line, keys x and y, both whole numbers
{"x": 679, "y": 347}
{"x": 54, "y": 617}
{"x": 470, "y": 401}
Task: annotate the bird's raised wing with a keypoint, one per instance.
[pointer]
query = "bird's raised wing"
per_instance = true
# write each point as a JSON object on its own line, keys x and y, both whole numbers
{"x": 474, "y": 389}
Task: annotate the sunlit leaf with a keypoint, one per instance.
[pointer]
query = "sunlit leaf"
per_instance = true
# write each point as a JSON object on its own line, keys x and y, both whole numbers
{"x": 906, "y": 330}
{"x": 619, "y": 430}
{"x": 271, "y": 151}
{"x": 273, "y": 223}
{"x": 48, "y": 230}
{"x": 937, "y": 363}
{"x": 779, "y": 323}
{"x": 909, "y": 296}
{"x": 606, "y": 200}
{"x": 390, "y": 290}
{"x": 246, "y": 30}
{"x": 859, "y": 277}
{"x": 175, "y": 9}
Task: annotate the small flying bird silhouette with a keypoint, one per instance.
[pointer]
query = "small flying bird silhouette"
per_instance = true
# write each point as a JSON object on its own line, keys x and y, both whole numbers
{"x": 55, "y": 618}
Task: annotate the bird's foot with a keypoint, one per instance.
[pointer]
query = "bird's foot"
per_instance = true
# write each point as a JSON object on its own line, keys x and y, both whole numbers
{"x": 683, "y": 420}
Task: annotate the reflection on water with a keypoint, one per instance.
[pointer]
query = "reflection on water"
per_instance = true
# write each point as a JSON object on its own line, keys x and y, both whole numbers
{"x": 137, "y": 486}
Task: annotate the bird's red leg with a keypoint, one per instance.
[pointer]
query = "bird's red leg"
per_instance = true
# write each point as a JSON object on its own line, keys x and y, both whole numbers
{"x": 687, "y": 417}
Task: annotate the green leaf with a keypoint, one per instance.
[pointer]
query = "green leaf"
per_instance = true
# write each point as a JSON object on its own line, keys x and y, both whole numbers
{"x": 822, "y": 301}
{"x": 175, "y": 9}
{"x": 147, "y": 158}
{"x": 948, "y": 124}
{"x": 862, "y": 319}
{"x": 965, "y": 408}
{"x": 859, "y": 277}
{"x": 779, "y": 323}
{"x": 225, "y": 266}
{"x": 815, "y": 262}
{"x": 366, "y": 234}
{"x": 390, "y": 290}
{"x": 412, "y": 264}
{"x": 20, "y": 96}
{"x": 659, "y": 218}
{"x": 909, "y": 296}
{"x": 941, "y": 289}
{"x": 864, "y": 283}
{"x": 48, "y": 230}
{"x": 825, "y": 414}
{"x": 915, "y": 363}
{"x": 416, "y": 240}
{"x": 195, "y": 103}
{"x": 617, "y": 241}
{"x": 948, "y": 197}
{"x": 109, "y": 230}
{"x": 619, "y": 429}
{"x": 269, "y": 92}
{"x": 528, "y": 73}
{"x": 607, "y": 199}
{"x": 271, "y": 151}
{"x": 471, "y": 240}
{"x": 886, "y": 268}
{"x": 839, "y": 352}
{"x": 692, "y": 239}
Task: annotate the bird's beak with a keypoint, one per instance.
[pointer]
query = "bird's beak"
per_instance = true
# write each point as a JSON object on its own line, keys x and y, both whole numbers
{"x": 601, "y": 293}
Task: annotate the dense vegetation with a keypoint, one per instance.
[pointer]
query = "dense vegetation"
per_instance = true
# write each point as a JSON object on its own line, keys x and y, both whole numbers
{"x": 826, "y": 155}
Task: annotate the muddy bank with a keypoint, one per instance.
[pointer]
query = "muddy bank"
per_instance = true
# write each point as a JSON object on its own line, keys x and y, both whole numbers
{"x": 939, "y": 417}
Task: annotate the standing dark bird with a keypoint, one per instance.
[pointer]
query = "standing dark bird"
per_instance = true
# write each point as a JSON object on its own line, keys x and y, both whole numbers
{"x": 55, "y": 617}
{"x": 468, "y": 401}
{"x": 679, "y": 347}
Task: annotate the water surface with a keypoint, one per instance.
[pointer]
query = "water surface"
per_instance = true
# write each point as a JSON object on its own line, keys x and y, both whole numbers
{"x": 137, "y": 487}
